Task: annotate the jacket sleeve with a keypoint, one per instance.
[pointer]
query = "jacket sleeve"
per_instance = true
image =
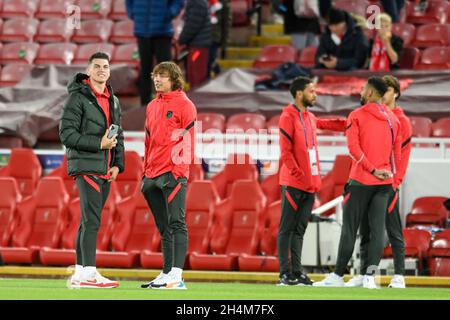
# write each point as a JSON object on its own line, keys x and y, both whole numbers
{"x": 129, "y": 7}
{"x": 287, "y": 146}
{"x": 193, "y": 22}
{"x": 175, "y": 8}
{"x": 359, "y": 55}
{"x": 119, "y": 150}
{"x": 332, "y": 124}
{"x": 187, "y": 143}
{"x": 402, "y": 150}
{"x": 354, "y": 147}
{"x": 321, "y": 50}
{"x": 147, "y": 143}
{"x": 70, "y": 126}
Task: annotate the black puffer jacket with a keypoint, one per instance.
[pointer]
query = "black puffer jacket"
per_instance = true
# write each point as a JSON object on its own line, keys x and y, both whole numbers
{"x": 82, "y": 126}
{"x": 351, "y": 53}
{"x": 197, "y": 25}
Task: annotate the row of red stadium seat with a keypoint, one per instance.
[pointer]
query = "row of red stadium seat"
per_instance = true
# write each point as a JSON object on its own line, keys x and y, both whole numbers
{"x": 57, "y": 30}
{"x": 43, "y": 9}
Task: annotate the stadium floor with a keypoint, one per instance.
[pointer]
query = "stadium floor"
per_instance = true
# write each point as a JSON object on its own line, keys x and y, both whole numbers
{"x": 55, "y": 289}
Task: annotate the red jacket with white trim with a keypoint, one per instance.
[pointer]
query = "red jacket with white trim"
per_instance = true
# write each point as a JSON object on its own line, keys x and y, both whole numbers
{"x": 169, "y": 135}
{"x": 370, "y": 144}
{"x": 295, "y": 168}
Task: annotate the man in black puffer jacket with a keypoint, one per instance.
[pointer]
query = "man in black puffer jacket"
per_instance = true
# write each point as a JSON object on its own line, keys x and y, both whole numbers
{"x": 94, "y": 159}
{"x": 197, "y": 36}
{"x": 343, "y": 46}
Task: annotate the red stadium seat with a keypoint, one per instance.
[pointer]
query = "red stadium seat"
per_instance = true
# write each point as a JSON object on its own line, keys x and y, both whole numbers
{"x": 267, "y": 259}
{"x": 427, "y": 211}
{"x": 235, "y": 230}
{"x": 69, "y": 182}
{"x": 65, "y": 254}
{"x": 126, "y": 53}
{"x": 308, "y": 56}
{"x": 441, "y": 128}
{"x": 440, "y": 246}
{"x": 417, "y": 243}
{"x": 271, "y": 188}
{"x": 432, "y": 35}
{"x": 8, "y": 204}
{"x": 439, "y": 267}
{"x": 119, "y": 10}
{"x": 19, "y": 29}
{"x": 18, "y": 8}
{"x": 94, "y": 9}
{"x": 196, "y": 172}
{"x": 238, "y": 167}
{"x": 49, "y": 9}
{"x": 334, "y": 181}
{"x": 93, "y": 31}
{"x": 19, "y": 52}
{"x": 41, "y": 222}
{"x": 406, "y": 31}
{"x": 436, "y": 58}
{"x": 421, "y": 126}
{"x": 272, "y": 124}
{"x": 25, "y": 167}
{"x": 437, "y": 12}
{"x": 246, "y": 121}
{"x": 210, "y": 121}
{"x": 129, "y": 181}
{"x": 85, "y": 51}
{"x": 54, "y": 30}
{"x": 13, "y": 73}
{"x": 410, "y": 58}
{"x": 56, "y": 53}
{"x": 273, "y": 55}
{"x": 122, "y": 32}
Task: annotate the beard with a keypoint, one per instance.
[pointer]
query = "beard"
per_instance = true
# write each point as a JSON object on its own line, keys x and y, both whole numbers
{"x": 308, "y": 103}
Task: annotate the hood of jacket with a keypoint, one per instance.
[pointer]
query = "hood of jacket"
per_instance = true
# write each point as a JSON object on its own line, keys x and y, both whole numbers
{"x": 77, "y": 84}
{"x": 351, "y": 26}
{"x": 374, "y": 110}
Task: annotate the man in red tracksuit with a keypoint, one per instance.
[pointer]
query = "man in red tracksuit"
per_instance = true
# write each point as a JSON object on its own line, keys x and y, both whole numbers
{"x": 393, "y": 220}
{"x": 299, "y": 176}
{"x": 374, "y": 142}
{"x": 169, "y": 149}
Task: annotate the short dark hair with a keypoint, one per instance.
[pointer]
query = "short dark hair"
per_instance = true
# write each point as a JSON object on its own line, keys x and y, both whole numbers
{"x": 299, "y": 84}
{"x": 378, "y": 84}
{"x": 393, "y": 82}
{"x": 98, "y": 55}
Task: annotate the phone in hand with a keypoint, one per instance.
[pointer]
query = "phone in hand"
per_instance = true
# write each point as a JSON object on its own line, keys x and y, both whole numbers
{"x": 113, "y": 129}
{"x": 326, "y": 57}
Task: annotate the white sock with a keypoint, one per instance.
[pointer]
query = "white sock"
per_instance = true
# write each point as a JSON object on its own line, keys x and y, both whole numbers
{"x": 176, "y": 272}
{"x": 78, "y": 270}
{"x": 89, "y": 272}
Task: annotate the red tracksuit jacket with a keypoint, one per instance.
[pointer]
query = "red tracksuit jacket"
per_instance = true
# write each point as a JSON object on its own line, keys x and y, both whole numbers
{"x": 169, "y": 129}
{"x": 369, "y": 141}
{"x": 406, "y": 134}
{"x": 295, "y": 163}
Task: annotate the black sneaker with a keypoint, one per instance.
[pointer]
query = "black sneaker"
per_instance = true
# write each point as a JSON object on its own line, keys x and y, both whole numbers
{"x": 302, "y": 279}
{"x": 287, "y": 280}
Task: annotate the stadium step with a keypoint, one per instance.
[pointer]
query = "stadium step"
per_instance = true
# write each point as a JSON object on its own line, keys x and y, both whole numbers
{"x": 243, "y": 53}
{"x": 261, "y": 41}
{"x": 235, "y": 63}
{"x": 273, "y": 29}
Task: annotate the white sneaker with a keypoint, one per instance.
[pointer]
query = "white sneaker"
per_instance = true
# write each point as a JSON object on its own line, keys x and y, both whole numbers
{"x": 74, "y": 281}
{"x": 397, "y": 282}
{"x": 356, "y": 281}
{"x": 369, "y": 282}
{"x": 98, "y": 281}
{"x": 172, "y": 283}
{"x": 160, "y": 279}
{"x": 331, "y": 280}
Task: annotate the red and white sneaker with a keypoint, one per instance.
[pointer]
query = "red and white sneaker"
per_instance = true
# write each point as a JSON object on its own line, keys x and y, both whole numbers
{"x": 73, "y": 282}
{"x": 98, "y": 281}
